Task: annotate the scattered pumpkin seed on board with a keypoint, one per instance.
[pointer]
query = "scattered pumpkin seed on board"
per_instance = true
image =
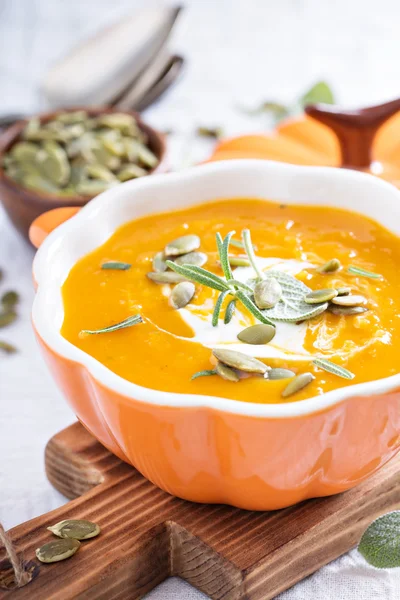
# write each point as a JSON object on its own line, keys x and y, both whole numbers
{"x": 77, "y": 529}
{"x": 76, "y": 154}
{"x": 57, "y": 550}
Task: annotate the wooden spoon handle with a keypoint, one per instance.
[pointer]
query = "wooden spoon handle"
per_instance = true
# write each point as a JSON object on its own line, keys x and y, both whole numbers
{"x": 355, "y": 129}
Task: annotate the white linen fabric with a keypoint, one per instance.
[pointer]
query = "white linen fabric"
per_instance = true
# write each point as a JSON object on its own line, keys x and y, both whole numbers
{"x": 238, "y": 53}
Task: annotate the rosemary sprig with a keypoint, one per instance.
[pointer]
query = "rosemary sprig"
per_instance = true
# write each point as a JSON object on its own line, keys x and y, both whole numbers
{"x": 248, "y": 246}
{"x": 353, "y": 270}
{"x": 252, "y": 308}
{"x": 133, "y": 320}
{"x": 330, "y": 367}
{"x": 229, "y": 311}
{"x": 199, "y": 275}
{"x": 204, "y": 373}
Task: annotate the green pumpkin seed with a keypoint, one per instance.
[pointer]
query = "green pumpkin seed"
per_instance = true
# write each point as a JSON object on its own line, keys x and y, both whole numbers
{"x": 76, "y": 529}
{"x": 99, "y": 172}
{"x": 267, "y": 293}
{"x": 7, "y": 348}
{"x": 182, "y": 294}
{"x": 166, "y": 277}
{"x": 240, "y": 361}
{"x": 70, "y": 118}
{"x": 320, "y": 296}
{"x": 31, "y": 129}
{"x": 182, "y": 245}
{"x": 92, "y": 187}
{"x": 198, "y": 259}
{"x": 257, "y": 334}
{"x": 275, "y": 374}
{"x": 130, "y": 172}
{"x": 57, "y": 550}
{"x": 331, "y": 266}
{"x": 350, "y": 300}
{"x": 121, "y": 121}
{"x": 343, "y": 291}
{"x": 37, "y": 182}
{"x": 24, "y": 152}
{"x": 298, "y": 383}
{"x": 347, "y": 310}
{"x": 146, "y": 157}
{"x": 9, "y": 300}
{"x": 99, "y": 154}
{"x": 227, "y": 373}
{"x": 7, "y": 317}
{"x": 159, "y": 265}
{"x": 53, "y": 163}
{"x": 238, "y": 261}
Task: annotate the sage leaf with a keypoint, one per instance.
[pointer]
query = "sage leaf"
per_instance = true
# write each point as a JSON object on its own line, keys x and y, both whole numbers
{"x": 217, "y": 308}
{"x": 380, "y": 543}
{"x": 115, "y": 265}
{"x": 204, "y": 373}
{"x": 353, "y": 270}
{"x": 129, "y": 322}
{"x": 320, "y": 92}
{"x": 331, "y": 367}
{"x": 292, "y": 307}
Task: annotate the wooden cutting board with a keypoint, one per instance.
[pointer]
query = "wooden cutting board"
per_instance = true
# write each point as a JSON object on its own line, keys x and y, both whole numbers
{"x": 148, "y": 535}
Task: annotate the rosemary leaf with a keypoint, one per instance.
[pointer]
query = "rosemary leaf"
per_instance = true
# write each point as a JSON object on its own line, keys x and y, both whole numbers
{"x": 229, "y": 311}
{"x": 224, "y": 256}
{"x": 115, "y": 265}
{"x": 239, "y": 244}
{"x": 199, "y": 275}
{"x": 331, "y": 367}
{"x": 353, "y": 270}
{"x": 240, "y": 284}
{"x": 248, "y": 246}
{"x": 133, "y": 320}
{"x": 252, "y": 308}
{"x": 217, "y": 308}
{"x": 204, "y": 373}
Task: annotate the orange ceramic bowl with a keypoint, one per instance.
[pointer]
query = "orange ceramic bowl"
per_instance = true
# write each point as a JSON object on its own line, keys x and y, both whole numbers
{"x": 209, "y": 449}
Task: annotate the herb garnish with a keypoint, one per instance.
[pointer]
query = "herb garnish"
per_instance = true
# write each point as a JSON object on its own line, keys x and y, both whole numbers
{"x": 380, "y": 543}
{"x": 330, "y": 367}
{"x": 133, "y": 320}
{"x": 115, "y": 265}
{"x": 353, "y": 270}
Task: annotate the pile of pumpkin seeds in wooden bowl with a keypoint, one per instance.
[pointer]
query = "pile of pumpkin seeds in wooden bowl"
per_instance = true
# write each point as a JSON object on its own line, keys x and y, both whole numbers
{"x": 80, "y": 153}
{"x": 71, "y": 532}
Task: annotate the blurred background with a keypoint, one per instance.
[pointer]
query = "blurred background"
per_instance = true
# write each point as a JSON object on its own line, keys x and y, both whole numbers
{"x": 237, "y": 54}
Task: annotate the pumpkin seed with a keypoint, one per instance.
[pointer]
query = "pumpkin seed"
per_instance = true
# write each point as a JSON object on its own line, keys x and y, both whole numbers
{"x": 146, "y": 157}
{"x": 240, "y": 361}
{"x": 182, "y": 294}
{"x": 37, "y": 182}
{"x": 130, "y": 172}
{"x": 53, "y": 163}
{"x": 278, "y": 373}
{"x": 57, "y": 550}
{"x": 69, "y": 118}
{"x": 92, "y": 187}
{"x": 99, "y": 172}
{"x": 226, "y": 372}
{"x": 121, "y": 121}
{"x": 9, "y": 300}
{"x": 350, "y": 300}
{"x": 298, "y": 383}
{"x": 257, "y": 334}
{"x": 343, "y": 291}
{"x": 210, "y": 132}
{"x": 182, "y": 245}
{"x": 24, "y": 152}
{"x": 31, "y": 128}
{"x": 159, "y": 265}
{"x": 77, "y": 529}
{"x": 331, "y": 266}
{"x": 267, "y": 293}
{"x": 320, "y": 296}
{"x": 167, "y": 277}
{"x": 7, "y": 317}
{"x": 7, "y": 348}
{"x": 198, "y": 259}
{"x": 238, "y": 261}
{"x": 347, "y": 310}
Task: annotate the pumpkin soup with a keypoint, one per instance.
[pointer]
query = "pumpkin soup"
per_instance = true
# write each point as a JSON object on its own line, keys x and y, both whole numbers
{"x": 243, "y": 299}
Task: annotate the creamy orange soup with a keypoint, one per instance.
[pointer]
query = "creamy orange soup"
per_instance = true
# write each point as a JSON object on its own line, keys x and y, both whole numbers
{"x": 165, "y": 350}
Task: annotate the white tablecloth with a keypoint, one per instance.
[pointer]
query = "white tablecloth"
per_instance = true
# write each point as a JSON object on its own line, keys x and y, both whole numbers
{"x": 237, "y": 52}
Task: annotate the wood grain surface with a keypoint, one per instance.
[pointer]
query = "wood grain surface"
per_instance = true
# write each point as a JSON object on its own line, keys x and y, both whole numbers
{"x": 148, "y": 535}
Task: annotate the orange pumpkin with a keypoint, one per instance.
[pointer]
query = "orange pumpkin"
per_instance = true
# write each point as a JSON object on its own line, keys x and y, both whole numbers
{"x": 367, "y": 139}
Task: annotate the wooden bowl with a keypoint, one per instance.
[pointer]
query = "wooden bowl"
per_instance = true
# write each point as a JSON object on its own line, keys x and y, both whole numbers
{"x": 24, "y": 205}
